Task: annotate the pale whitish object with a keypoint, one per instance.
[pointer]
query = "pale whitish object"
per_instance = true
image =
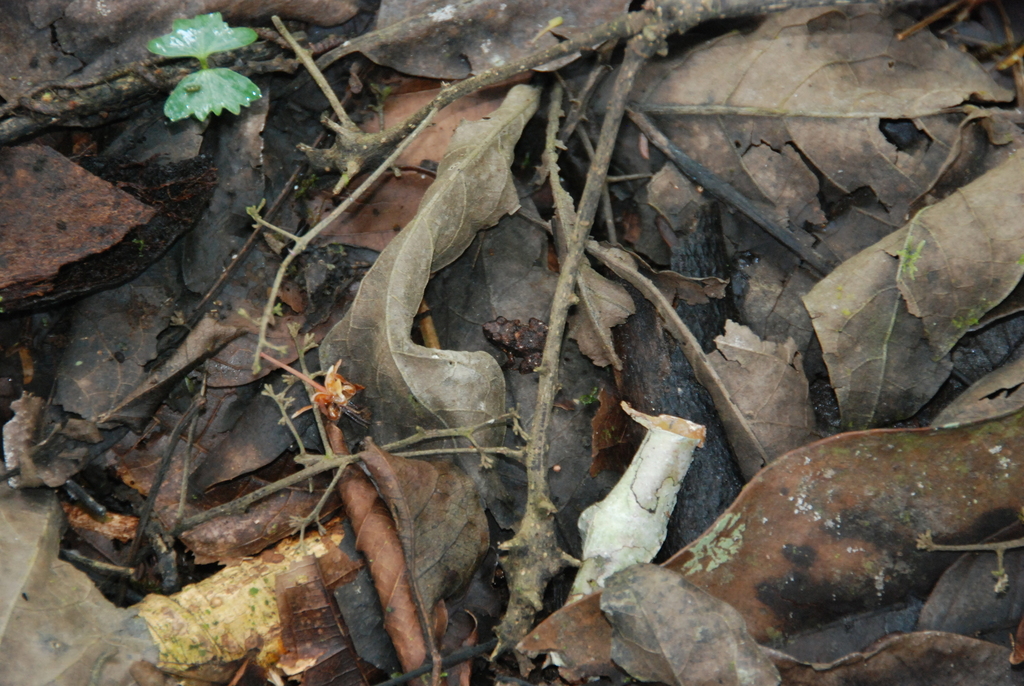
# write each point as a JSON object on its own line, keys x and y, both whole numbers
{"x": 629, "y": 525}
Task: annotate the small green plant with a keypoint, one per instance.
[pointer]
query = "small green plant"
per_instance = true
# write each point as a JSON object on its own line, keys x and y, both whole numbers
{"x": 207, "y": 90}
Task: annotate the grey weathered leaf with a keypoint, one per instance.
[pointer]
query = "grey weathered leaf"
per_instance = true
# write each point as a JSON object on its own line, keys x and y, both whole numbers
{"x": 768, "y": 383}
{"x": 668, "y": 630}
{"x": 55, "y": 625}
{"x": 876, "y": 351}
{"x": 963, "y": 255}
{"x": 408, "y": 385}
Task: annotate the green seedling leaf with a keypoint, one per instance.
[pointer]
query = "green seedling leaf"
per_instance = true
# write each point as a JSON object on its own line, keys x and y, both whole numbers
{"x": 210, "y": 90}
{"x": 201, "y": 37}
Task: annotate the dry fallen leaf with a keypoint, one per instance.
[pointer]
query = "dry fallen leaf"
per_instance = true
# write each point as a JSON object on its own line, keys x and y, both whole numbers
{"x": 55, "y": 214}
{"x": 831, "y": 529}
{"x": 604, "y": 305}
{"x": 814, "y": 84}
{"x": 666, "y": 629}
{"x": 963, "y": 255}
{"x": 922, "y": 657}
{"x": 454, "y": 40}
{"x": 377, "y": 540}
{"x": 768, "y": 383}
{"x": 408, "y": 385}
{"x": 879, "y": 361}
{"x": 55, "y": 625}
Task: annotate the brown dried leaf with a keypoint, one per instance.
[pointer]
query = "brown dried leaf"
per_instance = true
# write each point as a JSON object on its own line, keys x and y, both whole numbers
{"x": 767, "y": 380}
{"x": 831, "y": 529}
{"x": 963, "y": 255}
{"x": 56, "y": 214}
{"x": 205, "y": 339}
{"x": 922, "y": 657}
{"x": 409, "y": 385}
{"x": 604, "y": 305}
{"x": 610, "y": 429}
{"x": 994, "y": 395}
{"x": 311, "y": 628}
{"x": 666, "y": 629}
{"x": 814, "y": 82}
{"x": 876, "y": 351}
{"x": 450, "y": 533}
{"x": 377, "y": 540}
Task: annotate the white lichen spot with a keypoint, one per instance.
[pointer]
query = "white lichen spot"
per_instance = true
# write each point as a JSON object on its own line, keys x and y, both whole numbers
{"x": 1004, "y": 462}
{"x": 995, "y": 450}
{"x": 442, "y": 13}
{"x": 880, "y": 582}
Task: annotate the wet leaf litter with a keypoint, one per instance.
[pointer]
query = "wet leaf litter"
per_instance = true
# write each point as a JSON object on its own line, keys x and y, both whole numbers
{"x": 316, "y": 416}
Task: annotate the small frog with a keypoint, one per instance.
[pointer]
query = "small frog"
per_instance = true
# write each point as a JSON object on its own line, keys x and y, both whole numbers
{"x": 523, "y": 344}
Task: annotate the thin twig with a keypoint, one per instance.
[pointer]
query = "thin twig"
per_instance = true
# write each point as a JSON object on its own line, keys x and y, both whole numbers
{"x": 317, "y": 75}
{"x": 749, "y": 451}
{"x": 198, "y": 403}
{"x": 242, "y": 504}
{"x": 317, "y": 464}
{"x": 186, "y": 464}
{"x": 457, "y": 656}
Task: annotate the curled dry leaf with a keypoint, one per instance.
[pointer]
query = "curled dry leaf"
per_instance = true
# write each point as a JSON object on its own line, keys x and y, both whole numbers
{"x": 377, "y": 540}
{"x": 605, "y": 305}
{"x": 449, "y": 527}
{"x": 448, "y": 533}
{"x": 409, "y": 385}
{"x": 668, "y": 630}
